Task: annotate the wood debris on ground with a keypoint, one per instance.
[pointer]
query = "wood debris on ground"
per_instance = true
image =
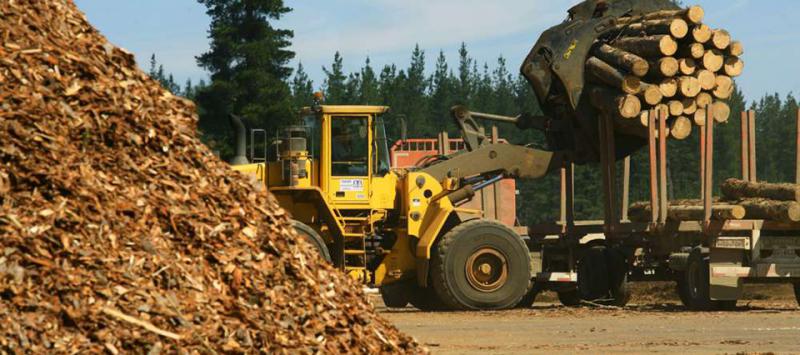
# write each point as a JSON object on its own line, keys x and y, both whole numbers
{"x": 121, "y": 232}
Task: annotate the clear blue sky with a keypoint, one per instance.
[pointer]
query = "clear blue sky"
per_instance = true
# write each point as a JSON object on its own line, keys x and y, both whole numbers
{"x": 386, "y": 31}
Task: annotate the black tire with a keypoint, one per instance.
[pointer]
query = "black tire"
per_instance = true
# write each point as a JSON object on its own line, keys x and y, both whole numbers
{"x": 571, "y": 298}
{"x": 426, "y": 299}
{"x": 593, "y": 274}
{"x": 618, "y": 278}
{"x": 530, "y": 297}
{"x": 396, "y": 295}
{"x": 693, "y": 284}
{"x": 498, "y": 261}
{"x": 797, "y": 292}
{"x": 313, "y": 238}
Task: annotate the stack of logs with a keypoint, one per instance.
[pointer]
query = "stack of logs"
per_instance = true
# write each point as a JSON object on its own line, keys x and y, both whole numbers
{"x": 668, "y": 61}
{"x": 740, "y": 199}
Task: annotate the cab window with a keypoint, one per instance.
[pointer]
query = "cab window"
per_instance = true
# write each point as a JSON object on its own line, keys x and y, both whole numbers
{"x": 350, "y": 146}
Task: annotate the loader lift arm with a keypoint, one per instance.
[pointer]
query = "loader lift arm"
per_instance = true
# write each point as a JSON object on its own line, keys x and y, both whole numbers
{"x": 483, "y": 158}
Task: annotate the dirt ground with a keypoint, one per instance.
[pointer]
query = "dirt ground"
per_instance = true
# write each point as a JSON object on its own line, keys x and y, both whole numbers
{"x": 768, "y": 321}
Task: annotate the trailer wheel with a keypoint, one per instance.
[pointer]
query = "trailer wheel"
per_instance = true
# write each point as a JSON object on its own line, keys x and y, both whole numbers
{"x": 530, "y": 296}
{"x": 571, "y": 298}
{"x": 593, "y": 274}
{"x": 313, "y": 238}
{"x": 481, "y": 264}
{"x": 693, "y": 284}
{"x": 618, "y": 277}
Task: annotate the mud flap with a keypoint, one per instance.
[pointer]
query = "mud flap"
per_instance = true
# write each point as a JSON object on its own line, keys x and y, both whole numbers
{"x": 725, "y": 286}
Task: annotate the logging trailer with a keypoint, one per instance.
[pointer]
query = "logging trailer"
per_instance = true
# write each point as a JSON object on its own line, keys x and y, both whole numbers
{"x": 710, "y": 255}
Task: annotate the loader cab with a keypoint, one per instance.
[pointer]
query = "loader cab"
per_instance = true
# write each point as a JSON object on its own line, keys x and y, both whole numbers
{"x": 349, "y": 152}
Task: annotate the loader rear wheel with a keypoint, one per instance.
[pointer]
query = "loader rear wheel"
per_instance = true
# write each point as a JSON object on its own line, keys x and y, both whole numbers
{"x": 481, "y": 264}
{"x": 313, "y": 238}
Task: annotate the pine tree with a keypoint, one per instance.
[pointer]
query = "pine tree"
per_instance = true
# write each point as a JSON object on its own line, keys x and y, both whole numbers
{"x": 369, "y": 93}
{"x": 335, "y": 80}
{"x": 442, "y": 95}
{"x": 302, "y": 88}
{"x": 248, "y": 64}
{"x": 465, "y": 81}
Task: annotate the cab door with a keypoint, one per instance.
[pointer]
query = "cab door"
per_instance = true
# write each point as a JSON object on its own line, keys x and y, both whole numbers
{"x": 350, "y": 165}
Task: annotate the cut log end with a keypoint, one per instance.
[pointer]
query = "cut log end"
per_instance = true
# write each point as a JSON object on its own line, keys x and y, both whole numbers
{"x": 724, "y": 87}
{"x": 704, "y": 99}
{"x": 702, "y": 33}
{"x": 713, "y": 60}
{"x": 736, "y": 49}
{"x": 675, "y": 107}
{"x": 722, "y": 112}
{"x": 689, "y": 86}
{"x": 695, "y": 14}
{"x": 699, "y": 117}
{"x": 707, "y": 79}
{"x": 721, "y": 39}
{"x": 668, "y": 87}
{"x": 733, "y": 66}
{"x": 651, "y": 94}
{"x": 687, "y": 66}
{"x": 678, "y": 28}
{"x": 681, "y": 128}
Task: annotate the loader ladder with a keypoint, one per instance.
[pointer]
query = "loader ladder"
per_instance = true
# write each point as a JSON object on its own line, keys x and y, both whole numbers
{"x": 353, "y": 248}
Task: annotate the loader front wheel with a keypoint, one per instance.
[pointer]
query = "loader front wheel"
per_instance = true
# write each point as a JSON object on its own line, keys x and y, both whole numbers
{"x": 481, "y": 264}
{"x": 313, "y": 238}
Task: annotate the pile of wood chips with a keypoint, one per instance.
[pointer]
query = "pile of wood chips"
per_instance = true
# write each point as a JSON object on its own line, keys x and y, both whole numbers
{"x": 120, "y": 231}
{"x": 668, "y": 61}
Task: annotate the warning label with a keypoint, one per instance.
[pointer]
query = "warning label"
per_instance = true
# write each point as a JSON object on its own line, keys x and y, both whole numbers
{"x": 351, "y": 185}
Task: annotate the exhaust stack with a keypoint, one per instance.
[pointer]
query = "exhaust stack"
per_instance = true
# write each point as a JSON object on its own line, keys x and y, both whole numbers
{"x": 240, "y": 141}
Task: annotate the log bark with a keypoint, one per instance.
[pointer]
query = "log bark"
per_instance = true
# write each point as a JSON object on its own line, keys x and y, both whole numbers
{"x": 675, "y": 107}
{"x": 782, "y": 211}
{"x": 675, "y": 27}
{"x": 603, "y": 73}
{"x": 713, "y": 60}
{"x": 702, "y": 33}
{"x": 733, "y": 66}
{"x": 689, "y": 210}
{"x": 650, "y": 46}
{"x": 651, "y": 94}
{"x": 693, "y": 14}
{"x": 680, "y": 128}
{"x": 735, "y": 189}
{"x": 721, "y": 39}
{"x": 706, "y": 78}
{"x": 664, "y": 68}
{"x": 627, "y": 61}
{"x": 722, "y": 112}
{"x": 694, "y": 50}
{"x": 687, "y": 66}
{"x": 689, "y": 86}
{"x": 668, "y": 87}
{"x": 736, "y": 49}
{"x": 615, "y": 105}
{"x": 724, "y": 88}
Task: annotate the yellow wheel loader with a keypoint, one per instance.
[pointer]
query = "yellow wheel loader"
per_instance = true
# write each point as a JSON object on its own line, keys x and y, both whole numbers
{"x": 402, "y": 230}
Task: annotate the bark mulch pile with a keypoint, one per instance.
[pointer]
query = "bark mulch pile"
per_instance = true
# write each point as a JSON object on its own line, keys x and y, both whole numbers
{"x": 121, "y": 232}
